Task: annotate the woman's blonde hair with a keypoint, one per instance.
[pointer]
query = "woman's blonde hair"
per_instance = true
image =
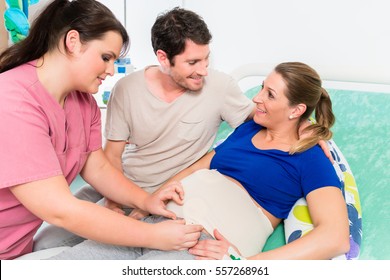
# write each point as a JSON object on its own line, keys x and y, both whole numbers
{"x": 304, "y": 86}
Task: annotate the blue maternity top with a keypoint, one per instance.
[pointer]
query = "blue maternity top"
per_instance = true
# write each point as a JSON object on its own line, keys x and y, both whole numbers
{"x": 275, "y": 179}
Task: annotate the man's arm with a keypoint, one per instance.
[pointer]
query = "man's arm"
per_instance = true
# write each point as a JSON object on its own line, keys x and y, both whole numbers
{"x": 114, "y": 150}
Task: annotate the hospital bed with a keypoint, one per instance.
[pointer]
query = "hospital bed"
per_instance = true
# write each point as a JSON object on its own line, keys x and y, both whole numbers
{"x": 362, "y": 137}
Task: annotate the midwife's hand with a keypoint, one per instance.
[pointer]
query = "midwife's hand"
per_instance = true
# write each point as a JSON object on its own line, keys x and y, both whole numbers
{"x": 210, "y": 249}
{"x": 176, "y": 235}
{"x": 156, "y": 202}
{"x": 116, "y": 207}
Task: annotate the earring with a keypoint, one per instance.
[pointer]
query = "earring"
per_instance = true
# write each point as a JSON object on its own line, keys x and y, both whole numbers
{"x": 291, "y": 117}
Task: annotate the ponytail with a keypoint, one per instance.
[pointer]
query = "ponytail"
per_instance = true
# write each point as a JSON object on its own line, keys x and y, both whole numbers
{"x": 320, "y": 129}
{"x": 323, "y": 112}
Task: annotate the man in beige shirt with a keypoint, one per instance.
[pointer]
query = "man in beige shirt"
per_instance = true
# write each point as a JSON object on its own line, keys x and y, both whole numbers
{"x": 161, "y": 119}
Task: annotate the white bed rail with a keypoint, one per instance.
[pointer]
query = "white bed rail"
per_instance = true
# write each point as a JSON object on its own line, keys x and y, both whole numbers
{"x": 249, "y": 75}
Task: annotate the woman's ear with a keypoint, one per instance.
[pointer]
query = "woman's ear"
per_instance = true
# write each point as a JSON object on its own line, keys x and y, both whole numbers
{"x": 72, "y": 41}
{"x": 299, "y": 110}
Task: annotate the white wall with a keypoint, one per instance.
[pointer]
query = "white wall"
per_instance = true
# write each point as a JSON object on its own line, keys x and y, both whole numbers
{"x": 342, "y": 39}
{"x": 140, "y": 17}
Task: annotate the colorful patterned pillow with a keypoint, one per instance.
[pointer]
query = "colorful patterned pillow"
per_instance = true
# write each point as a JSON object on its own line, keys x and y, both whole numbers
{"x": 298, "y": 223}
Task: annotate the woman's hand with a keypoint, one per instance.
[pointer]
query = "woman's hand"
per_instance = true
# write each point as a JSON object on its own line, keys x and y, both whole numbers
{"x": 176, "y": 235}
{"x": 156, "y": 202}
{"x": 210, "y": 249}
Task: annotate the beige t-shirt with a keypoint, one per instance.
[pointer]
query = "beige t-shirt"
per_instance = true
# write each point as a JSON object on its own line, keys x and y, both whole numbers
{"x": 168, "y": 137}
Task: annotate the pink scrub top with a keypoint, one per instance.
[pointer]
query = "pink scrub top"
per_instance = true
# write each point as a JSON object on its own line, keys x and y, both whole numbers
{"x": 38, "y": 139}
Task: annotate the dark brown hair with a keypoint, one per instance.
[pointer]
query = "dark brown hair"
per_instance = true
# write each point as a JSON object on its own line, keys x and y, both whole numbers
{"x": 171, "y": 30}
{"x": 89, "y": 17}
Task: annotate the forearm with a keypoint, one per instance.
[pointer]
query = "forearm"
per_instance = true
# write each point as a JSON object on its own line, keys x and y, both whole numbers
{"x": 108, "y": 226}
{"x": 111, "y": 182}
{"x": 321, "y": 243}
{"x": 330, "y": 235}
{"x": 182, "y": 174}
{"x": 203, "y": 163}
{"x": 116, "y": 161}
{"x": 113, "y": 151}
{"x": 51, "y": 200}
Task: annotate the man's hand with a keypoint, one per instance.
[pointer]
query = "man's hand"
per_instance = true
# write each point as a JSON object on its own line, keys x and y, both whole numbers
{"x": 304, "y": 134}
{"x": 138, "y": 214}
{"x": 325, "y": 148}
{"x": 116, "y": 207}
